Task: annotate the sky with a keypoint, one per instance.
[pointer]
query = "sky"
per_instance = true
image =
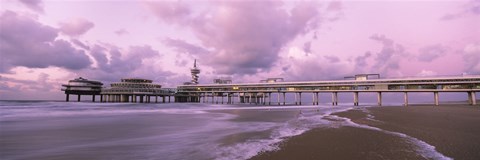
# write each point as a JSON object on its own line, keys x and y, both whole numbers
{"x": 43, "y": 44}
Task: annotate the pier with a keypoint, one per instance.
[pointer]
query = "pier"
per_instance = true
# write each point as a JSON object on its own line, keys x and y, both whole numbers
{"x": 261, "y": 93}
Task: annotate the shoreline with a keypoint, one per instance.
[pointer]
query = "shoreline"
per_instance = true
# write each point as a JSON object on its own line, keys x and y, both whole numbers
{"x": 452, "y": 129}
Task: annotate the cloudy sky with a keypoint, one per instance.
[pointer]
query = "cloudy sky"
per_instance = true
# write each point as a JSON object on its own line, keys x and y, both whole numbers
{"x": 45, "y": 43}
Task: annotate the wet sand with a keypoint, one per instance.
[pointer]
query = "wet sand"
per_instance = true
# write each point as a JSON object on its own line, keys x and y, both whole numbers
{"x": 454, "y": 130}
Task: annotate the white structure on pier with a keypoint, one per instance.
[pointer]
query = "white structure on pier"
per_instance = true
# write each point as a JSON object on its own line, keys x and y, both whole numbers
{"x": 195, "y": 71}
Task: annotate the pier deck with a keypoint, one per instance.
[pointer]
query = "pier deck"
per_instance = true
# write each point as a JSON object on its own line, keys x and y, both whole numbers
{"x": 262, "y": 92}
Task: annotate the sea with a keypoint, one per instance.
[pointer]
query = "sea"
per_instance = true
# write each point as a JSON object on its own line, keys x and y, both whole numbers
{"x": 161, "y": 131}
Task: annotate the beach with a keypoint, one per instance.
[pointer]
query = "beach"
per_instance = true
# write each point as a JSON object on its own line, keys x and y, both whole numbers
{"x": 224, "y": 132}
{"x": 391, "y": 132}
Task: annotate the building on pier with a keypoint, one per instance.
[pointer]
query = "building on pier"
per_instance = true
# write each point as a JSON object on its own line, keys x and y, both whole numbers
{"x": 362, "y": 77}
{"x": 81, "y": 86}
{"x": 136, "y": 90}
{"x": 272, "y": 80}
{"x": 222, "y": 80}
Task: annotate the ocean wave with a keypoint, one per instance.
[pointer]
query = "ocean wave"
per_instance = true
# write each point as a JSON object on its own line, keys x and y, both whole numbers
{"x": 305, "y": 121}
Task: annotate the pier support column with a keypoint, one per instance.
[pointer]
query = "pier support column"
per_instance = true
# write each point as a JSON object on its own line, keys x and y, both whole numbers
{"x": 284, "y": 99}
{"x": 269, "y": 98}
{"x": 163, "y": 99}
{"x": 296, "y": 101}
{"x": 405, "y": 98}
{"x": 278, "y": 98}
{"x": 300, "y": 98}
{"x": 263, "y": 98}
{"x": 317, "y": 98}
{"x": 93, "y": 98}
{"x": 213, "y": 98}
{"x": 249, "y": 98}
{"x": 474, "y": 98}
{"x": 168, "y": 99}
{"x": 334, "y": 99}
{"x": 222, "y": 97}
{"x": 469, "y": 96}
{"x": 79, "y": 97}
{"x": 240, "y": 99}
{"x": 379, "y": 98}
{"x": 435, "y": 97}
{"x": 68, "y": 97}
{"x": 228, "y": 98}
{"x": 355, "y": 98}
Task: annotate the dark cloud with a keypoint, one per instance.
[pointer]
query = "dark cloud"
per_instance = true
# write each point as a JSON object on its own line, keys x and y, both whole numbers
{"x": 332, "y": 59}
{"x": 182, "y": 46}
{"x": 450, "y": 16}
{"x": 25, "y": 42}
{"x": 76, "y": 27}
{"x": 432, "y": 52}
{"x": 245, "y": 36}
{"x": 307, "y": 47}
{"x": 470, "y": 8}
{"x": 471, "y": 55}
{"x": 80, "y": 44}
{"x": 121, "y": 32}
{"x": 361, "y": 61}
{"x": 388, "y": 58}
{"x": 35, "y": 5}
{"x": 118, "y": 62}
{"x": 114, "y": 63}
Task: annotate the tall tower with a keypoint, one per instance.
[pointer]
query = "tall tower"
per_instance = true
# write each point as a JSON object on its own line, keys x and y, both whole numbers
{"x": 195, "y": 71}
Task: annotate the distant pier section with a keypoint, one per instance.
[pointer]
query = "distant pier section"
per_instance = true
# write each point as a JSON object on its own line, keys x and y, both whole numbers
{"x": 262, "y": 93}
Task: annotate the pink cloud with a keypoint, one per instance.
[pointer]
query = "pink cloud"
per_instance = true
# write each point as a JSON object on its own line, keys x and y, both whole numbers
{"x": 246, "y": 37}
{"x": 76, "y": 27}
